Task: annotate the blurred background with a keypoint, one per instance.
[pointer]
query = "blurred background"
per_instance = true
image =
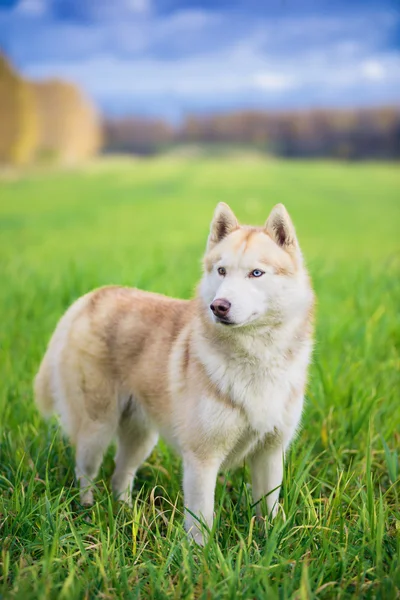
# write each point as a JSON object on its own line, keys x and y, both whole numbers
{"x": 291, "y": 78}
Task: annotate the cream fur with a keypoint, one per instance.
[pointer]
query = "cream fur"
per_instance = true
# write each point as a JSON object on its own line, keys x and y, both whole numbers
{"x": 129, "y": 364}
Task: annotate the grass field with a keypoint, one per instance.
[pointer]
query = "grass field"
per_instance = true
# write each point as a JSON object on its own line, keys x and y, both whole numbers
{"x": 144, "y": 223}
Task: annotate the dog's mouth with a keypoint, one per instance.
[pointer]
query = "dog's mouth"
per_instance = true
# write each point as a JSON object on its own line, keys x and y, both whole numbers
{"x": 224, "y": 321}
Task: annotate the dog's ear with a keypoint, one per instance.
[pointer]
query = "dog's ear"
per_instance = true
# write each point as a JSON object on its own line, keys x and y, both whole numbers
{"x": 223, "y": 223}
{"x": 280, "y": 228}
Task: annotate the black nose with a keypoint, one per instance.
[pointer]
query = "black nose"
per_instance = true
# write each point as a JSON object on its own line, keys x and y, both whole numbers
{"x": 220, "y": 307}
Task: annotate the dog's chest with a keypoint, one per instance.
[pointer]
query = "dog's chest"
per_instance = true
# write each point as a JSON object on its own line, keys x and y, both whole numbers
{"x": 260, "y": 390}
{"x": 260, "y": 384}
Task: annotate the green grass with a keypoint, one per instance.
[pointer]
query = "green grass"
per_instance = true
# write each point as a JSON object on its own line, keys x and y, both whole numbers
{"x": 144, "y": 223}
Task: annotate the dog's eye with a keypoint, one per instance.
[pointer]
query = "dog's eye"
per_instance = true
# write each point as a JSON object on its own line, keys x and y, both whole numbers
{"x": 256, "y": 273}
{"x": 222, "y": 271}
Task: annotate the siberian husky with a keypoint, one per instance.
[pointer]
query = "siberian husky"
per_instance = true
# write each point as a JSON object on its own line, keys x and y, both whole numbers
{"x": 221, "y": 376}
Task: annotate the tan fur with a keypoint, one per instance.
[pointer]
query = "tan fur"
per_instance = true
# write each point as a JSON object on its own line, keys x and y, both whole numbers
{"x": 128, "y": 363}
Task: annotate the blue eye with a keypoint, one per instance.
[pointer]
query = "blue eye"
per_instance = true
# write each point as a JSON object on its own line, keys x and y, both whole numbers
{"x": 256, "y": 273}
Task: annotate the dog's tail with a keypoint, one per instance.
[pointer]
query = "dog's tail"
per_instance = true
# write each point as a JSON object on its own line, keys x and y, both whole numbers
{"x": 42, "y": 389}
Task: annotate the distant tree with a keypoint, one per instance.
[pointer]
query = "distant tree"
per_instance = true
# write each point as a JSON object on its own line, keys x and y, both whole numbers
{"x": 137, "y": 135}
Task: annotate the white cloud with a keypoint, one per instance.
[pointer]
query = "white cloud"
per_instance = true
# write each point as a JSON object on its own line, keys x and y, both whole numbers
{"x": 138, "y": 6}
{"x": 274, "y": 82}
{"x": 373, "y": 70}
{"x": 178, "y": 30}
{"x": 31, "y": 7}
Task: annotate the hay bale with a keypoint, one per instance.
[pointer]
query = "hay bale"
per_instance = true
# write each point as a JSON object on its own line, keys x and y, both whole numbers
{"x": 18, "y": 120}
{"x": 68, "y": 124}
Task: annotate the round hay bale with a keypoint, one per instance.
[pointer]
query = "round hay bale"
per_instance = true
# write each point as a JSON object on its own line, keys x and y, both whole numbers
{"x": 18, "y": 120}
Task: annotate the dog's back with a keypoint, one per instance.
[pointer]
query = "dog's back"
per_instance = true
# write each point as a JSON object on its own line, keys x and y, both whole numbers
{"x": 109, "y": 339}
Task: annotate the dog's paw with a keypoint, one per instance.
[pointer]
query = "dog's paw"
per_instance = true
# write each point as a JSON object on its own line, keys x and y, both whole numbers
{"x": 196, "y": 536}
{"x": 86, "y": 498}
{"x": 125, "y": 497}
{"x": 127, "y": 500}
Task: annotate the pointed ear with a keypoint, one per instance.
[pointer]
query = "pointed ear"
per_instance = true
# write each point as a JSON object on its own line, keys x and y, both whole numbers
{"x": 223, "y": 223}
{"x": 280, "y": 228}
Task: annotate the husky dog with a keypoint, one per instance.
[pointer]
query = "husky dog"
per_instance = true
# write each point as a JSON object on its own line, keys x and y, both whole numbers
{"x": 221, "y": 377}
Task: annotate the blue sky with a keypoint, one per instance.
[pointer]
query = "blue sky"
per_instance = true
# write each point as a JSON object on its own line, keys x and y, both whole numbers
{"x": 170, "y": 57}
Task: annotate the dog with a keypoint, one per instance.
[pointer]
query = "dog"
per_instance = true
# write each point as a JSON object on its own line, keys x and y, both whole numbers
{"x": 221, "y": 376}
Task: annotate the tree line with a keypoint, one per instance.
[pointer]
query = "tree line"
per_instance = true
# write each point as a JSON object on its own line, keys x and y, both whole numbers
{"x": 345, "y": 134}
{"x": 44, "y": 121}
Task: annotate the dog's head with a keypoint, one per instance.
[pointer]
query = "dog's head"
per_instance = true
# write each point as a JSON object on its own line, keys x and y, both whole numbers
{"x": 253, "y": 275}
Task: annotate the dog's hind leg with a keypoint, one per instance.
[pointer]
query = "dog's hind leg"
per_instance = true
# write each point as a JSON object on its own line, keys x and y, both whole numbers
{"x": 91, "y": 443}
{"x": 136, "y": 439}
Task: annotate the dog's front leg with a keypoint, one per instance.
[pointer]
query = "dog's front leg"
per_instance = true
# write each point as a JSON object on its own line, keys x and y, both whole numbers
{"x": 199, "y": 478}
{"x": 266, "y": 466}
